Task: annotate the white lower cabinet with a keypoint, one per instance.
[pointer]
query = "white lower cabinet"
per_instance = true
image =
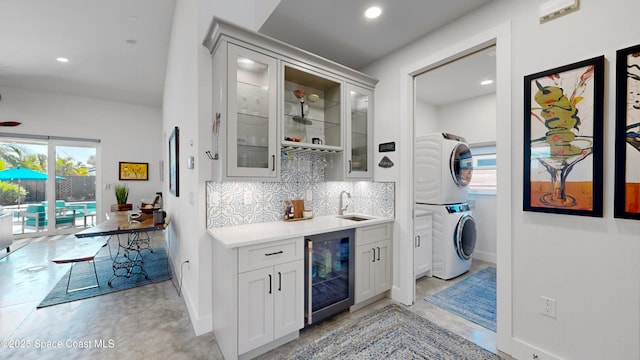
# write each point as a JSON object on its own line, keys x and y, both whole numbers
{"x": 373, "y": 261}
{"x": 422, "y": 245}
{"x": 270, "y": 298}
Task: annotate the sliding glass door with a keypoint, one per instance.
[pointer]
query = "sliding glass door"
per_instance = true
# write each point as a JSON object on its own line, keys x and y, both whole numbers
{"x": 49, "y": 185}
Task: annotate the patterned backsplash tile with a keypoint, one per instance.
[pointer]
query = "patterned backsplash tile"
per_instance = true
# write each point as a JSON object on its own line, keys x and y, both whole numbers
{"x": 301, "y": 175}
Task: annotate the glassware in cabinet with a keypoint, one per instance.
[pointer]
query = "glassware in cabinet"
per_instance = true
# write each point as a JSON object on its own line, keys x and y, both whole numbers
{"x": 312, "y": 109}
{"x": 252, "y": 114}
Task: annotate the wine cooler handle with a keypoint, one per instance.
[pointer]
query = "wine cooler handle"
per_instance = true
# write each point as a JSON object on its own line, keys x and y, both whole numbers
{"x": 378, "y": 253}
{"x": 309, "y": 281}
{"x": 270, "y": 284}
{"x": 279, "y": 281}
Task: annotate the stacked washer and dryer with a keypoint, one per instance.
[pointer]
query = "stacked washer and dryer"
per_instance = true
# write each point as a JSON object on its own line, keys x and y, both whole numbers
{"x": 443, "y": 169}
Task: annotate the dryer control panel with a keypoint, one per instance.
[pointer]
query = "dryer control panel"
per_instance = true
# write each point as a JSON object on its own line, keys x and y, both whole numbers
{"x": 458, "y": 208}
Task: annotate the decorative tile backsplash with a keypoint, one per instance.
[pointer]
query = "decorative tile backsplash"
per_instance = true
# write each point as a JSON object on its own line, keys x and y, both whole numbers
{"x": 302, "y": 177}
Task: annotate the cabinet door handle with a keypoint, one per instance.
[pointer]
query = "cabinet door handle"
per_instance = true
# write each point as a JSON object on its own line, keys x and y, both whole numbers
{"x": 279, "y": 281}
{"x": 273, "y": 163}
{"x": 374, "y": 254}
{"x": 415, "y": 242}
{"x": 270, "y": 284}
{"x": 274, "y": 253}
{"x": 378, "y": 254}
{"x": 350, "y": 166}
{"x": 419, "y": 241}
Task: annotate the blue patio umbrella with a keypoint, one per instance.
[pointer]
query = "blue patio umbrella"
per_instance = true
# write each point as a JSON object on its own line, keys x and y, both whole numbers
{"x": 20, "y": 173}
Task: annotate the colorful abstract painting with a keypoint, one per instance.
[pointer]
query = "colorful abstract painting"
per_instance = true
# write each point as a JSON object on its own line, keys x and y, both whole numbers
{"x": 563, "y": 139}
{"x": 627, "y": 181}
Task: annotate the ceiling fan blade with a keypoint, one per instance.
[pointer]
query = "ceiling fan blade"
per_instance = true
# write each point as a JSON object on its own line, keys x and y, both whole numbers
{"x": 9, "y": 123}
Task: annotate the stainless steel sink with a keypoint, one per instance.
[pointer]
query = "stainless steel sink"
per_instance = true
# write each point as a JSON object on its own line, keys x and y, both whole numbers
{"x": 353, "y": 218}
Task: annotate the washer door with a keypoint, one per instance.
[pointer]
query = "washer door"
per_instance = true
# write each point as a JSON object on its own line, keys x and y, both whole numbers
{"x": 465, "y": 237}
{"x": 461, "y": 165}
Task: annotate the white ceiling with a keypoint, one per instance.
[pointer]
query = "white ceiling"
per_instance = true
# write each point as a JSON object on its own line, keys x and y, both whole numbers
{"x": 458, "y": 80}
{"x": 93, "y": 35}
{"x": 337, "y": 29}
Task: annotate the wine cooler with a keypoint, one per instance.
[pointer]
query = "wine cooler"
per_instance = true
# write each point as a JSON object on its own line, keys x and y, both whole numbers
{"x": 329, "y": 274}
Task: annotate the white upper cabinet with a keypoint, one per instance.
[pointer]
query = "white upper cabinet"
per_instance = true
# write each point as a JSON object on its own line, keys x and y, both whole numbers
{"x": 269, "y": 97}
{"x": 359, "y": 149}
{"x": 252, "y": 117}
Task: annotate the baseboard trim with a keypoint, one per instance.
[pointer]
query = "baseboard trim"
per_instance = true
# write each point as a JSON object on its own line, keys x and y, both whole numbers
{"x": 485, "y": 256}
{"x": 523, "y": 350}
{"x": 201, "y": 325}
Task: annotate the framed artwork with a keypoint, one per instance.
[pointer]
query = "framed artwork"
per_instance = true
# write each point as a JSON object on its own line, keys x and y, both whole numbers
{"x": 174, "y": 164}
{"x": 627, "y": 176}
{"x": 133, "y": 171}
{"x": 563, "y": 111}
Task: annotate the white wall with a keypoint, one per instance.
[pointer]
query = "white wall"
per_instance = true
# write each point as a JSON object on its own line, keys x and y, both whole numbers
{"x": 589, "y": 265}
{"x": 126, "y": 133}
{"x": 187, "y": 104}
{"x": 426, "y": 116}
{"x": 474, "y": 119}
{"x": 484, "y": 214}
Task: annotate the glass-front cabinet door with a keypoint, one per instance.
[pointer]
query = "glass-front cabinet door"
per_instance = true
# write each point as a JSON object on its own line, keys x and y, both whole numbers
{"x": 312, "y": 109}
{"x": 359, "y": 150}
{"x": 252, "y": 144}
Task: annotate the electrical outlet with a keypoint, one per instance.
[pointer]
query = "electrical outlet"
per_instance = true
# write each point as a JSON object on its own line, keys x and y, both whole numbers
{"x": 248, "y": 197}
{"x": 548, "y": 307}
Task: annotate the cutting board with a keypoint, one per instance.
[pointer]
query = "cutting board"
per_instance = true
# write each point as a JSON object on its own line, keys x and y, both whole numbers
{"x": 298, "y": 207}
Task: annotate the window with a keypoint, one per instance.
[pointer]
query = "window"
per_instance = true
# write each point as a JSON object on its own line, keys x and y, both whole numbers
{"x": 484, "y": 177}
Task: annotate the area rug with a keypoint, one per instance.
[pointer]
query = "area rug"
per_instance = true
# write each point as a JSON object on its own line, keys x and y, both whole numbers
{"x": 473, "y": 298}
{"x": 392, "y": 333}
{"x": 155, "y": 264}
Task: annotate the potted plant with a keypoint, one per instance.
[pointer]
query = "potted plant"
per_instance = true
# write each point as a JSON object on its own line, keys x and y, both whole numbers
{"x": 122, "y": 194}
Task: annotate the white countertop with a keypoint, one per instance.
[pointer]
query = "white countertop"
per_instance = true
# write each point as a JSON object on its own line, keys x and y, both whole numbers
{"x": 243, "y": 235}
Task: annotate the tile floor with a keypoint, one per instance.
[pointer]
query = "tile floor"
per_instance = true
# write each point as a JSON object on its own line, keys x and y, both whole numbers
{"x": 145, "y": 322}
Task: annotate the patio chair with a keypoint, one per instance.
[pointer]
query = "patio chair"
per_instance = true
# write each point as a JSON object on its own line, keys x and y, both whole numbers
{"x": 35, "y": 217}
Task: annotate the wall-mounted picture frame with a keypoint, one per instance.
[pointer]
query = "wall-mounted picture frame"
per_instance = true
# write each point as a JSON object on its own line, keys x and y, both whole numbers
{"x": 174, "y": 163}
{"x": 627, "y": 169}
{"x": 133, "y": 171}
{"x": 563, "y": 111}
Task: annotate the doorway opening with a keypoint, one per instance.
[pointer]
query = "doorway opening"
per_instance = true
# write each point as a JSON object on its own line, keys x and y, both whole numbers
{"x": 454, "y": 105}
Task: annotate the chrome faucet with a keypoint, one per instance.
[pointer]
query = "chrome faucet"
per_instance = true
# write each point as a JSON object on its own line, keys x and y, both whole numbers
{"x": 343, "y": 208}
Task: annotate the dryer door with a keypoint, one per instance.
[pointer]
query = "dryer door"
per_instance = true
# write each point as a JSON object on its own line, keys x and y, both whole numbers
{"x": 465, "y": 237}
{"x": 461, "y": 165}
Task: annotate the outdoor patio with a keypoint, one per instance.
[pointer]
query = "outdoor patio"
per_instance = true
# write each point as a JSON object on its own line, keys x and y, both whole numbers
{"x": 32, "y": 218}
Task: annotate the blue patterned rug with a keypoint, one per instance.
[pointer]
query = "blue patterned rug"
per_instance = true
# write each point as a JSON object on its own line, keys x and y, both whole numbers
{"x": 155, "y": 265}
{"x": 392, "y": 333}
{"x": 473, "y": 298}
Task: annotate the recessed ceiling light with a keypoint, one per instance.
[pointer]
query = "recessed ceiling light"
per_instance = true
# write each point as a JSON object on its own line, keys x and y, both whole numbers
{"x": 62, "y": 60}
{"x": 486, "y": 82}
{"x": 372, "y": 12}
{"x": 130, "y": 42}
